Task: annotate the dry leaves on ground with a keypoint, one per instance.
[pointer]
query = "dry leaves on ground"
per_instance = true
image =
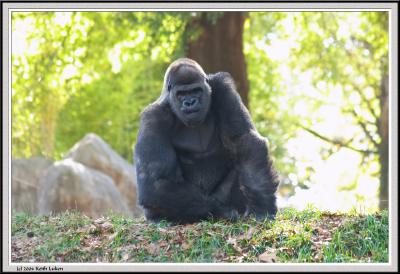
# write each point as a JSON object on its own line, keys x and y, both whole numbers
{"x": 269, "y": 256}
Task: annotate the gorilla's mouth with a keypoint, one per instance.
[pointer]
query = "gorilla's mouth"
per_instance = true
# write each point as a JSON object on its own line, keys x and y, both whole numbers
{"x": 193, "y": 118}
{"x": 191, "y": 111}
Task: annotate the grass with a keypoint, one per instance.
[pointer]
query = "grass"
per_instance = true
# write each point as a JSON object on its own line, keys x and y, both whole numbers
{"x": 294, "y": 236}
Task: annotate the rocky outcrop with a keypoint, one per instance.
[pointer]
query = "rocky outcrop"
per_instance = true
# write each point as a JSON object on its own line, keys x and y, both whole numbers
{"x": 69, "y": 185}
{"x": 94, "y": 152}
{"x": 25, "y": 175}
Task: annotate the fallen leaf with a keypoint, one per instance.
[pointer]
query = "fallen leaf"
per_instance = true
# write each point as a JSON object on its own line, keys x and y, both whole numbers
{"x": 250, "y": 233}
{"x": 153, "y": 249}
{"x": 185, "y": 246}
{"x": 229, "y": 259}
{"x": 189, "y": 226}
{"x": 112, "y": 236}
{"x": 107, "y": 227}
{"x": 268, "y": 256}
{"x": 323, "y": 232}
{"x": 92, "y": 229}
{"x": 240, "y": 259}
{"x": 125, "y": 257}
{"x": 287, "y": 250}
{"x": 318, "y": 257}
{"x": 82, "y": 229}
{"x": 231, "y": 241}
{"x": 235, "y": 244}
{"x": 100, "y": 220}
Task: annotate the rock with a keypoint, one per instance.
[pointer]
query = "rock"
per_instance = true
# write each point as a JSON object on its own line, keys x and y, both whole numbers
{"x": 25, "y": 174}
{"x": 69, "y": 185}
{"x": 94, "y": 152}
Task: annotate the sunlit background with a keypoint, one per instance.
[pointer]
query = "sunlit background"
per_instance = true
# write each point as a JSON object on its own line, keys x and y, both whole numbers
{"x": 317, "y": 90}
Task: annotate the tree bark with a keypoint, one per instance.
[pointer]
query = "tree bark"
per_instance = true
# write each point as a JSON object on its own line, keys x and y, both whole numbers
{"x": 219, "y": 47}
{"x": 383, "y": 148}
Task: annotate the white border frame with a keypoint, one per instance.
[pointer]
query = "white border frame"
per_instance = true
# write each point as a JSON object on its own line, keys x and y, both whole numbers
{"x": 7, "y": 8}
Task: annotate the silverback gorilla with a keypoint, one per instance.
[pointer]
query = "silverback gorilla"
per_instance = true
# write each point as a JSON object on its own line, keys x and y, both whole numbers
{"x": 198, "y": 153}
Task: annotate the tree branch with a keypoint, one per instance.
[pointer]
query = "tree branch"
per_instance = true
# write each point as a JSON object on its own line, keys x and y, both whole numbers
{"x": 364, "y": 127}
{"x": 361, "y": 68}
{"x": 337, "y": 142}
{"x": 368, "y": 102}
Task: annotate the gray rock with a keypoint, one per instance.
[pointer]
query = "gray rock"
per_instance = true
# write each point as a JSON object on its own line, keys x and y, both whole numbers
{"x": 94, "y": 152}
{"x": 69, "y": 185}
{"x": 25, "y": 174}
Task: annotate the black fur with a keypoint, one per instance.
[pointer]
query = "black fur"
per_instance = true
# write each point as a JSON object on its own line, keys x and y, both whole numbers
{"x": 211, "y": 162}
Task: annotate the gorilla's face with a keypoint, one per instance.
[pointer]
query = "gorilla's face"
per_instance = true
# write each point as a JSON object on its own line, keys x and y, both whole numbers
{"x": 189, "y": 95}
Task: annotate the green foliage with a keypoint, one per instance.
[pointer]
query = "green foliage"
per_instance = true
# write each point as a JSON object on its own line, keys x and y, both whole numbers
{"x": 346, "y": 55}
{"x": 366, "y": 237}
{"x": 90, "y": 73}
{"x": 271, "y": 119}
{"x": 295, "y": 236}
{"x": 80, "y": 72}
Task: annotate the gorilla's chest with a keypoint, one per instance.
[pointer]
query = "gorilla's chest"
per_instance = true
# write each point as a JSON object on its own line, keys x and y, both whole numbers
{"x": 198, "y": 141}
{"x": 201, "y": 155}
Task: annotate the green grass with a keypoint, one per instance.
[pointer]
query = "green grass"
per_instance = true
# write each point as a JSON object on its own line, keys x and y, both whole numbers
{"x": 294, "y": 236}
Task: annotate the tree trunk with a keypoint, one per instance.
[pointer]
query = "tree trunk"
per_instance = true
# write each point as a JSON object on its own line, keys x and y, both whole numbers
{"x": 48, "y": 118}
{"x": 219, "y": 47}
{"x": 383, "y": 148}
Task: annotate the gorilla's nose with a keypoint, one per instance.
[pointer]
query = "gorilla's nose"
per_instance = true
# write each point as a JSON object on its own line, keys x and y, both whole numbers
{"x": 189, "y": 103}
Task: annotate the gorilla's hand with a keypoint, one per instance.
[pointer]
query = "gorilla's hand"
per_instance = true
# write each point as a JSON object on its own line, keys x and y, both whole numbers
{"x": 223, "y": 191}
{"x": 221, "y": 197}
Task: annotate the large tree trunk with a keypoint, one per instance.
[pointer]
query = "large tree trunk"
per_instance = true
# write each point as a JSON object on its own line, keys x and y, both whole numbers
{"x": 219, "y": 47}
{"x": 383, "y": 148}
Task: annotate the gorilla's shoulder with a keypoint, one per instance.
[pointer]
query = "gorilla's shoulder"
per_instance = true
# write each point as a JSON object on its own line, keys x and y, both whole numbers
{"x": 221, "y": 79}
{"x": 220, "y": 76}
{"x": 156, "y": 112}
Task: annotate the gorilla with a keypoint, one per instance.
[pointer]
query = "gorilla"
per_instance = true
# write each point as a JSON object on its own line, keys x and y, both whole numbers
{"x": 198, "y": 154}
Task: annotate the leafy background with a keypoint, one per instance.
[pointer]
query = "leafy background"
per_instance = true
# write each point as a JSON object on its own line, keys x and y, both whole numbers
{"x": 317, "y": 90}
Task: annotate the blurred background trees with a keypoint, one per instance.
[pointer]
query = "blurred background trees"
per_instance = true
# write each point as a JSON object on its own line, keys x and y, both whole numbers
{"x": 316, "y": 84}
{"x": 218, "y": 46}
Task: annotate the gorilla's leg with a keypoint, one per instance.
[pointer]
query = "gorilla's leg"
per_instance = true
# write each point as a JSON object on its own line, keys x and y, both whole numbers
{"x": 258, "y": 180}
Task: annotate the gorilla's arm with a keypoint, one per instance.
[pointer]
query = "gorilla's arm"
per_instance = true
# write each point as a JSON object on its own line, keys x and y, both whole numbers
{"x": 256, "y": 175}
{"x": 163, "y": 193}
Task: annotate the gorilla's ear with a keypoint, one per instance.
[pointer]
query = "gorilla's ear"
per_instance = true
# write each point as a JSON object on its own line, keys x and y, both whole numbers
{"x": 169, "y": 85}
{"x": 208, "y": 76}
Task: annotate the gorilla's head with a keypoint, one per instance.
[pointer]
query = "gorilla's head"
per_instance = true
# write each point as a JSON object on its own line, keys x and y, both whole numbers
{"x": 187, "y": 90}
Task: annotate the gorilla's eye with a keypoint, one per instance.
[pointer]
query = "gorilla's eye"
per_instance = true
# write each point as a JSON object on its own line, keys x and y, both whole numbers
{"x": 197, "y": 90}
{"x": 169, "y": 87}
